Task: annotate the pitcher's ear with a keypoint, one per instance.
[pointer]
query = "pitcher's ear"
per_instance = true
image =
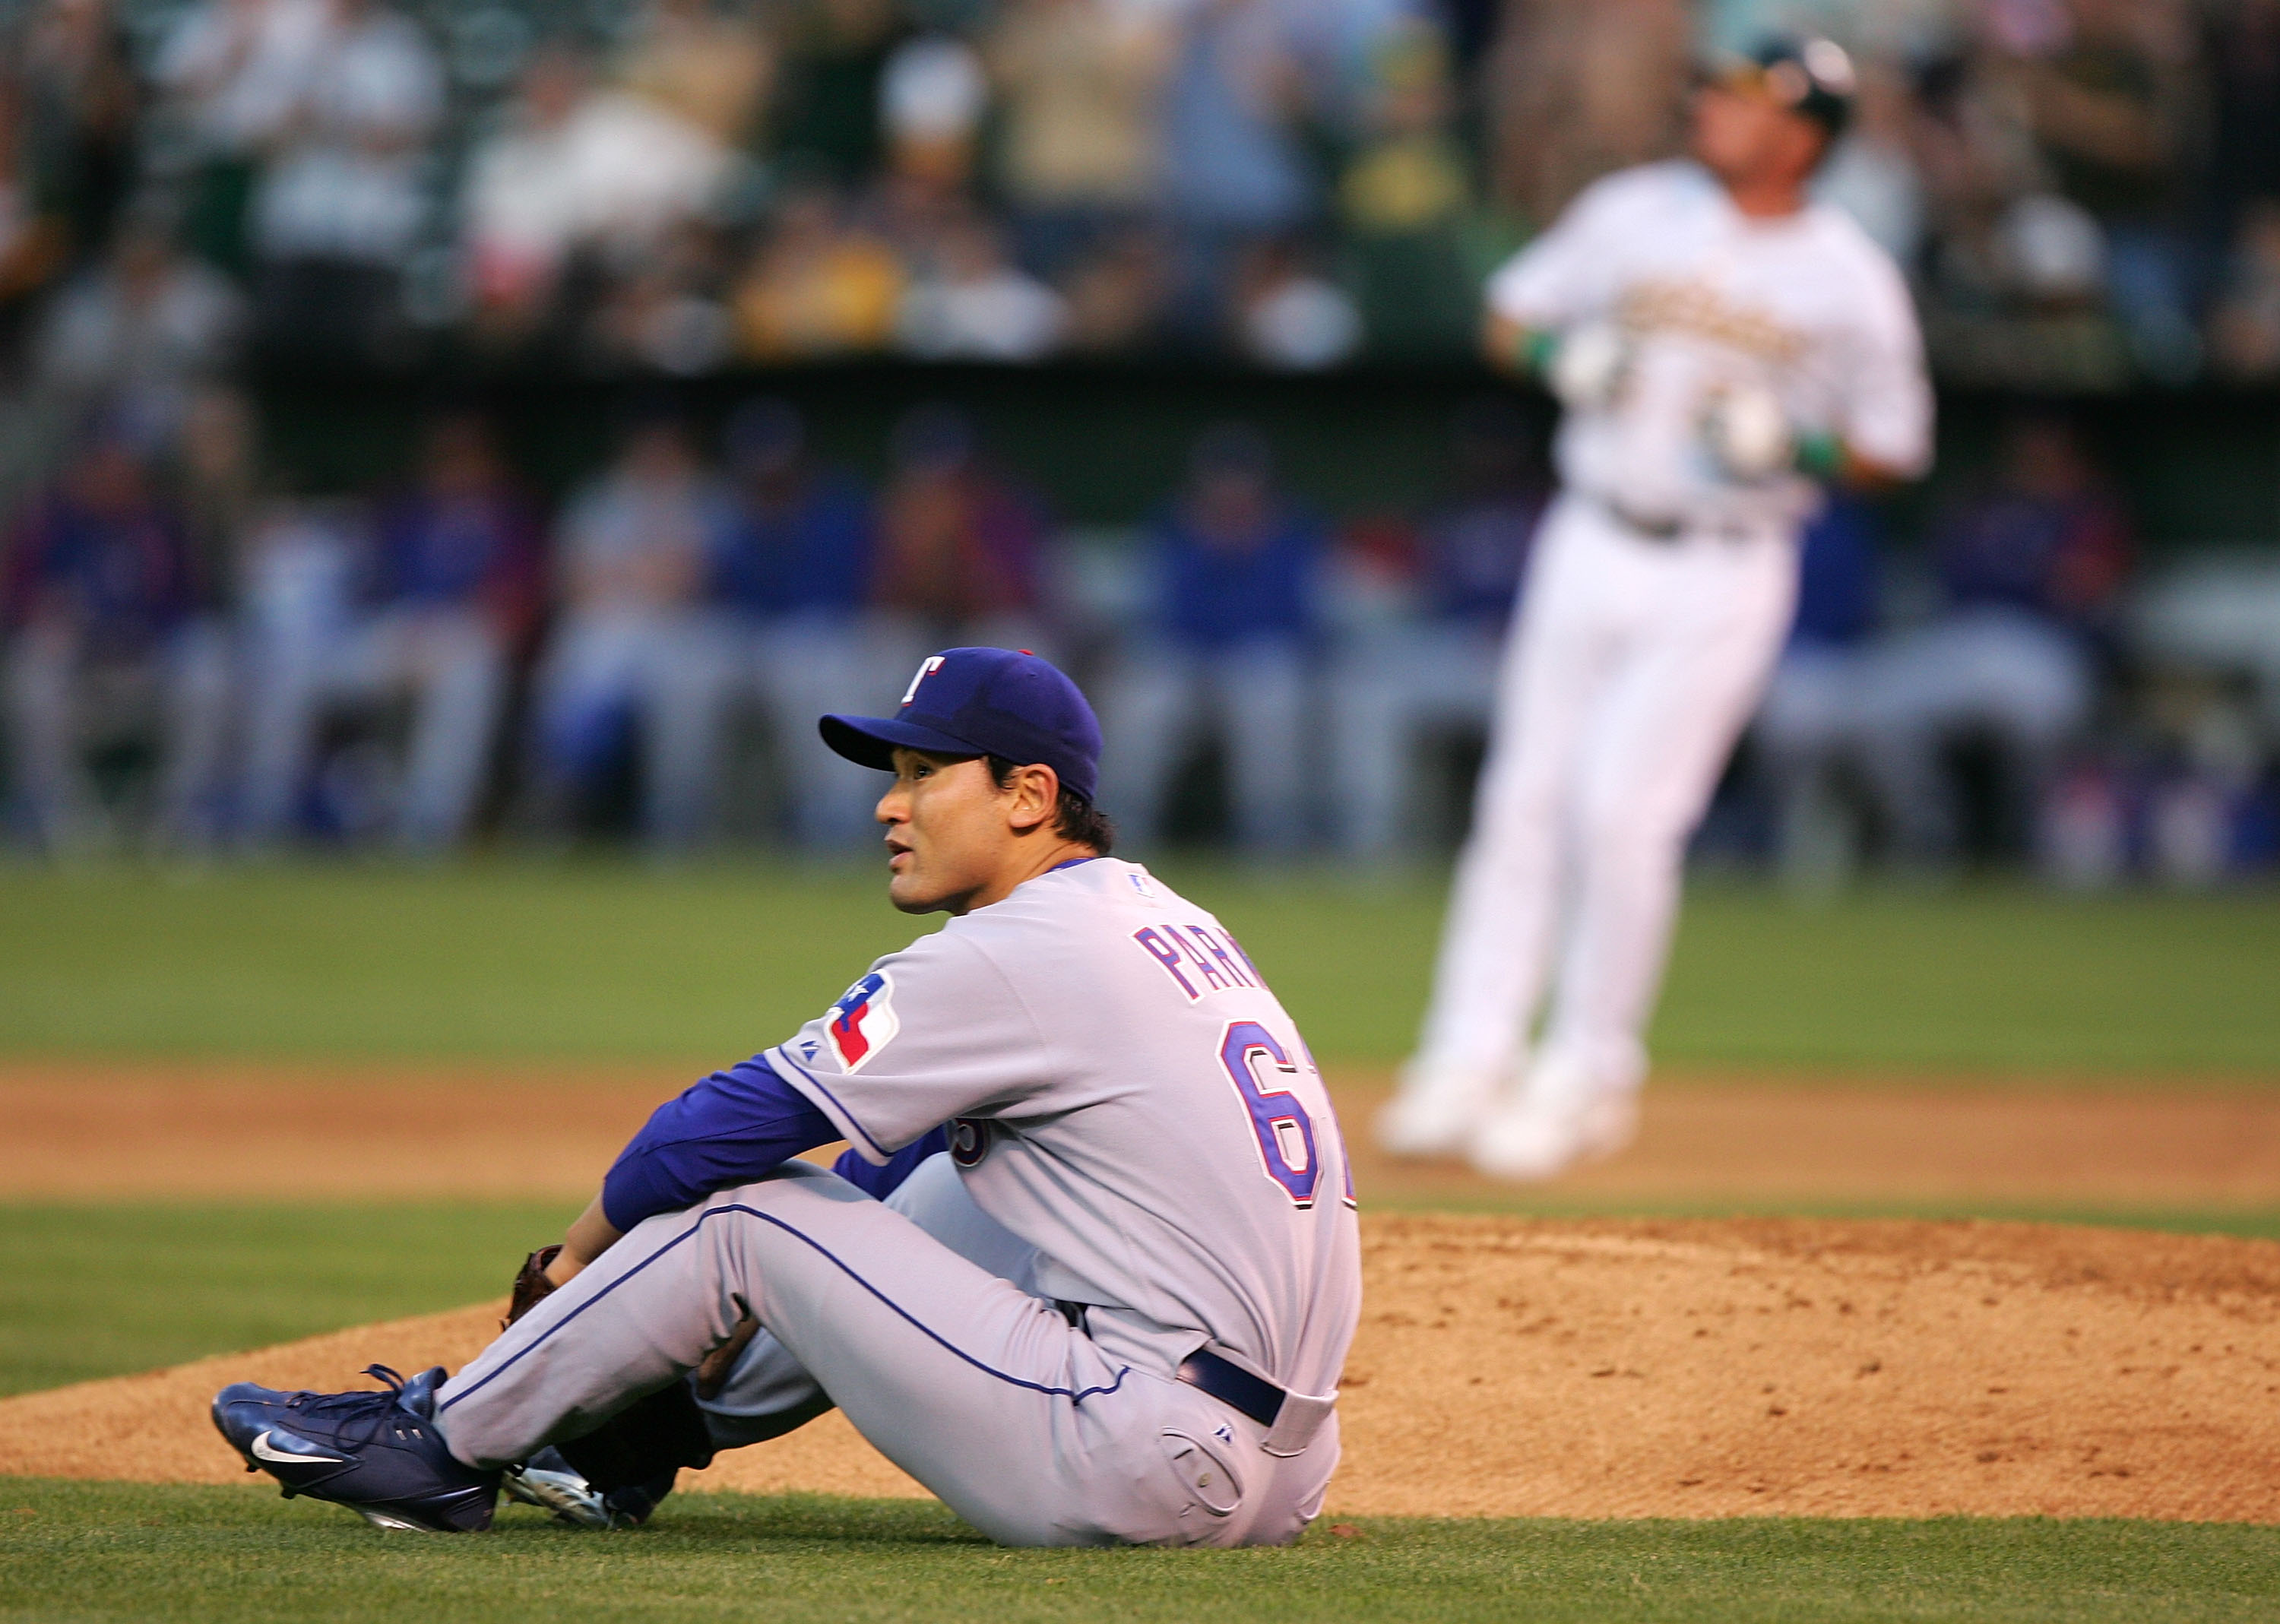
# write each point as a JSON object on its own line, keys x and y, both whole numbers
{"x": 1036, "y": 792}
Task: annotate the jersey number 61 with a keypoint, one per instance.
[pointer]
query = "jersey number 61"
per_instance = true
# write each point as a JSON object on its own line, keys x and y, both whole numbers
{"x": 1284, "y": 1131}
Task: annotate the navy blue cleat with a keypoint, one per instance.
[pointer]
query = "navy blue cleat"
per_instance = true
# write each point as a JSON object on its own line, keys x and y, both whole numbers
{"x": 377, "y": 1453}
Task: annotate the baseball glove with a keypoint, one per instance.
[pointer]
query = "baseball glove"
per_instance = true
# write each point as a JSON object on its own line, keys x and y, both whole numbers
{"x": 531, "y": 1286}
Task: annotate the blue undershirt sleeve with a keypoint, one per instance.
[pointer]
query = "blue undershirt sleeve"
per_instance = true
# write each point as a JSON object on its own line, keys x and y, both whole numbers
{"x": 726, "y": 1130}
{"x": 879, "y": 1183}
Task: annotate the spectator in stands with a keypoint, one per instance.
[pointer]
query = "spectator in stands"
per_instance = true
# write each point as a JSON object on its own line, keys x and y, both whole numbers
{"x": 34, "y": 240}
{"x": 958, "y": 563}
{"x": 106, "y": 644}
{"x": 81, "y": 110}
{"x": 2244, "y": 326}
{"x": 449, "y": 592}
{"x": 1872, "y": 171}
{"x": 1116, "y": 294}
{"x": 342, "y": 198}
{"x": 1227, "y": 641}
{"x": 1081, "y": 159}
{"x": 2031, "y": 573}
{"x": 819, "y": 286}
{"x": 215, "y": 473}
{"x": 524, "y": 205}
{"x": 1288, "y": 314}
{"x": 1236, "y": 174}
{"x": 630, "y": 648}
{"x": 2242, "y": 51}
{"x": 1809, "y": 728}
{"x": 972, "y": 303}
{"x": 711, "y": 71}
{"x": 1576, "y": 89}
{"x": 1425, "y": 662}
{"x": 932, "y": 97}
{"x": 226, "y": 68}
{"x": 1976, "y": 160}
{"x": 1406, "y": 201}
{"x": 2111, "y": 105}
{"x": 795, "y": 559}
{"x": 145, "y": 322}
{"x": 574, "y": 171}
{"x": 668, "y": 313}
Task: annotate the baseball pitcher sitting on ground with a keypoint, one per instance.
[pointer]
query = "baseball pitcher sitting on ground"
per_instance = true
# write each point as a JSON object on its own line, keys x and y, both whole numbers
{"x": 1111, "y": 1307}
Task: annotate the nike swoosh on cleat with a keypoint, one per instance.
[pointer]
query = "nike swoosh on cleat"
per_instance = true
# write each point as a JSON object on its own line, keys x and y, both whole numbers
{"x": 261, "y": 1448}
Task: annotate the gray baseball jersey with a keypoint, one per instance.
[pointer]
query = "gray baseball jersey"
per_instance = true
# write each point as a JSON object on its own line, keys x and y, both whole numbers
{"x": 1131, "y": 1101}
{"x": 1705, "y": 296}
{"x": 1137, "y": 1128}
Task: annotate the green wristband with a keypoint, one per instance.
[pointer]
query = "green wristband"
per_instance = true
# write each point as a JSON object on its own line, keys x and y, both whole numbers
{"x": 1820, "y": 457}
{"x": 1537, "y": 348}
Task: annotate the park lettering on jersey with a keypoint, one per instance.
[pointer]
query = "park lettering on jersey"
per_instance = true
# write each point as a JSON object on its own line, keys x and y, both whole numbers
{"x": 1198, "y": 960}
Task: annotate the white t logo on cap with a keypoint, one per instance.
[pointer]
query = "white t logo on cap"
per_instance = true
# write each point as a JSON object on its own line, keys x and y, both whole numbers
{"x": 926, "y": 668}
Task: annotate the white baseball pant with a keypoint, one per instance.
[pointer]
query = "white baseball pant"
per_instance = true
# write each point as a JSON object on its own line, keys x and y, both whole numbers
{"x": 1034, "y": 1430}
{"x": 670, "y": 667}
{"x": 452, "y": 664}
{"x": 1258, "y": 692}
{"x": 1633, "y": 665}
{"x": 1387, "y": 695}
{"x": 2027, "y": 682}
{"x": 50, "y": 694}
{"x": 801, "y": 666}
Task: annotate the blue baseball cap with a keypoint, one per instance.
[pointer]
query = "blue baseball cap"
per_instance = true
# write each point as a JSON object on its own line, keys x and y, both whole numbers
{"x": 983, "y": 702}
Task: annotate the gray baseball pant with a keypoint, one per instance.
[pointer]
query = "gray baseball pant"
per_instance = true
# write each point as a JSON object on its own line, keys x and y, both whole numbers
{"x": 1036, "y": 1431}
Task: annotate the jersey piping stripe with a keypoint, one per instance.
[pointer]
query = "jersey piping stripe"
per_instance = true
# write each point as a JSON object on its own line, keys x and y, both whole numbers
{"x": 1075, "y": 1396}
{"x": 836, "y": 1102}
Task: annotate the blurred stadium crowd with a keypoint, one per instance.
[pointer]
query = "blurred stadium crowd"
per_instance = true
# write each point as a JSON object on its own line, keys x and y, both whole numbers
{"x": 274, "y": 670}
{"x": 2086, "y": 191}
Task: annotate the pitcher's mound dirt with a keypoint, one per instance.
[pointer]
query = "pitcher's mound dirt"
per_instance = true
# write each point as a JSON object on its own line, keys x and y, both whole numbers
{"x": 1611, "y": 1369}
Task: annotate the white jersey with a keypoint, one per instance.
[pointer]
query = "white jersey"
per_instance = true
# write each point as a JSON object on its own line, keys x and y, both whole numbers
{"x": 1707, "y": 297}
{"x": 1126, "y": 1097}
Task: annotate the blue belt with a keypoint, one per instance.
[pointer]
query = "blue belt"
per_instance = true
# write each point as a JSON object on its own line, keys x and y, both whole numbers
{"x": 1232, "y": 1385}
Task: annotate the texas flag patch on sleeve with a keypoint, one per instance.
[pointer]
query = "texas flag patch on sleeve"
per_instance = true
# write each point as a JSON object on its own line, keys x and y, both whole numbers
{"x": 863, "y": 1021}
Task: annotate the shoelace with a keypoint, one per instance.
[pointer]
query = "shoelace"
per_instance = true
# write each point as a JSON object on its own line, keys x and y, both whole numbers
{"x": 361, "y": 1418}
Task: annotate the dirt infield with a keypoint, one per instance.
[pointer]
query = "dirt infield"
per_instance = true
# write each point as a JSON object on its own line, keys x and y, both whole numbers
{"x": 1603, "y": 1368}
{"x": 1504, "y": 1366}
{"x": 78, "y": 1131}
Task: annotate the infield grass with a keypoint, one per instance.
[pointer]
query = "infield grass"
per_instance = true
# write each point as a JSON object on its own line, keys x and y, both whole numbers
{"x": 525, "y": 960}
{"x": 89, "y": 1291}
{"x": 100, "y": 1551}
{"x": 597, "y": 959}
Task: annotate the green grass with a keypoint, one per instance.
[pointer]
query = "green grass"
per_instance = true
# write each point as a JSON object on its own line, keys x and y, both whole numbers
{"x": 91, "y": 1291}
{"x": 602, "y": 960}
{"x": 1991, "y": 978}
{"x": 510, "y": 960}
{"x": 72, "y": 1550}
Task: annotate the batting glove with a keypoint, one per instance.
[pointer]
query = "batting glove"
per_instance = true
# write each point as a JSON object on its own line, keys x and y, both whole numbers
{"x": 1586, "y": 368}
{"x": 1748, "y": 433}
